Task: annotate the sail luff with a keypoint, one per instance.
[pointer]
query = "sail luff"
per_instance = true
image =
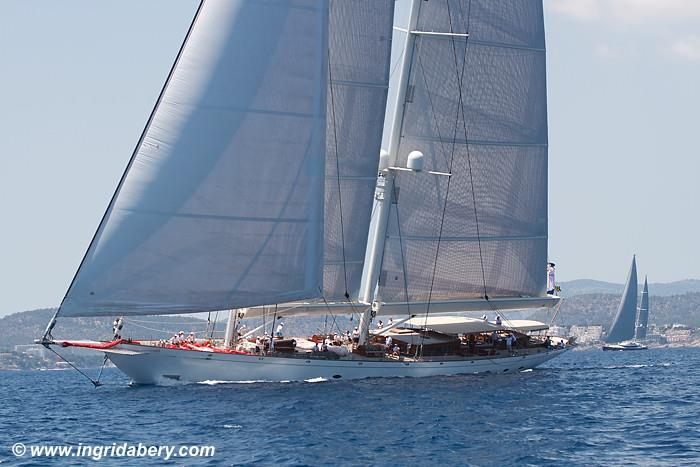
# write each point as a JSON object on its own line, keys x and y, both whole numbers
{"x": 623, "y": 326}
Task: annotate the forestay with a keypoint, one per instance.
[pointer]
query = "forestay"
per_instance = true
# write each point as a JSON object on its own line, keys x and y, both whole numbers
{"x": 221, "y": 205}
{"x": 476, "y": 107}
{"x": 359, "y": 52}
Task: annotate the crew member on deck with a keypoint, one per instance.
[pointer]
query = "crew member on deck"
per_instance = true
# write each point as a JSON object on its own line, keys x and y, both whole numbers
{"x": 117, "y": 328}
{"x": 280, "y": 328}
{"x": 494, "y": 339}
{"x": 509, "y": 342}
{"x": 551, "y": 287}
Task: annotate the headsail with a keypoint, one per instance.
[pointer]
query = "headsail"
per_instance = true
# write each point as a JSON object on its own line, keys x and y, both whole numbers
{"x": 476, "y": 107}
{"x": 643, "y": 317}
{"x": 624, "y": 323}
{"x": 213, "y": 212}
{"x": 358, "y": 52}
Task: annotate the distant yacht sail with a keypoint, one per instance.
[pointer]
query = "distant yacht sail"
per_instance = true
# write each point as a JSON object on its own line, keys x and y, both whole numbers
{"x": 643, "y": 316}
{"x": 623, "y": 327}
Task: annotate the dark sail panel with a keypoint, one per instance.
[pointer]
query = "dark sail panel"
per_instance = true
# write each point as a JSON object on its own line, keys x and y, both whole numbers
{"x": 623, "y": 326}
{"x": 643, "y": 319}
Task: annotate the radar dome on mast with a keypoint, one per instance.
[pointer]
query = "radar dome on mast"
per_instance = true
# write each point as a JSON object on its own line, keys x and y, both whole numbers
{"x": 416, "y": 161}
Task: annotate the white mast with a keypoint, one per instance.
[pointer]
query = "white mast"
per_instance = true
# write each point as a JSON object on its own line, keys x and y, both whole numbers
{"x": 385, "y": 185}
{"x": 234, "y": 317}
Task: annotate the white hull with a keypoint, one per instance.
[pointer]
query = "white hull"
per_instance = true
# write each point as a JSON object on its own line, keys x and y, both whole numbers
{"x": 154, "y": 365}
{"x": 625, "y": 346}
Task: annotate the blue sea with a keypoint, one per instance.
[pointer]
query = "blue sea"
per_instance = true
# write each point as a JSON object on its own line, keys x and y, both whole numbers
{"x": 584, "y": 408}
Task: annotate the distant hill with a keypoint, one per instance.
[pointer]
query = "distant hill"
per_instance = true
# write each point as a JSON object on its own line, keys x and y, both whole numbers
{"x": 24, "y": 327}
{"x": 593, "y": 309}
{"x": 589, "y": 286}
{"x": 586, "y": 309}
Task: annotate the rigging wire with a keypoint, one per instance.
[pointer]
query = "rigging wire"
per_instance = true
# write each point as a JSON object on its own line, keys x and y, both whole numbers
{"x": 460, "y": 81}
{"x": 271, "y": 345}
{"x": 195, "y": 322}
{"x": 398, "y": 62}
{"x": 432, "y": 107}
{"x": 337, "y": 173}
{"x": 166, "y": 331}
{"x": 95, "y": 383}
{"x": 466, "y": 134}
{"x": 556, "y": 312}
{"x": 447, "y": 163}
{"x": 330, "y": 312}
{"x": 213, "y": 326}
{"x": 403, "y": 258}
{"x": 467, "y": 18}
{"x": 340, "y": 191}
{"x": 99, "y": 375}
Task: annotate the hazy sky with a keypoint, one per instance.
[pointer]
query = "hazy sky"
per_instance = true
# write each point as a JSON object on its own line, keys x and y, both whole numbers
{"x": 78, "y": 79}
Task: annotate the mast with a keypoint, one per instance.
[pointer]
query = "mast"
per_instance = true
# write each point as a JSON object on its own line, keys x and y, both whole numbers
{"x": 385, "y": 185}
{"x": 234, "y": 318}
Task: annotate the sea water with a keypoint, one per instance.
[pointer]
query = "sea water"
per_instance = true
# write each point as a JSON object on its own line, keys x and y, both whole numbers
{"x": 583, "y": 408}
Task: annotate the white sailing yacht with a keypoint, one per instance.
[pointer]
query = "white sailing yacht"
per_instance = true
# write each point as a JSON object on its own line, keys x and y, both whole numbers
{"x": 630, "y": 323}
{"x": 257, "y": 182}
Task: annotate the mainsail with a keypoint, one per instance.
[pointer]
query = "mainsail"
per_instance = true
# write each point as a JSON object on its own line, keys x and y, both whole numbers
{"x": 643, "y": 316}
{"x": 222, "y": 203}
{"x": 476, "y": 108}
{"x": 623, "y": 327}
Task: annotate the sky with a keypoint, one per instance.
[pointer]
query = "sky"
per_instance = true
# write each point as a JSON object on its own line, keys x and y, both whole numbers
{"x": 79, "y": 78}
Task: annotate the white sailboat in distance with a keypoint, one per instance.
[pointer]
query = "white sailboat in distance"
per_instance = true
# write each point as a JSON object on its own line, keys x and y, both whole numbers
{"x": 259, "y": 180}
{"x": 629, "y": 320}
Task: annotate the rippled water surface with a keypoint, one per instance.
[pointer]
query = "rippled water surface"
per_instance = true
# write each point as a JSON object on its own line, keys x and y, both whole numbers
{"x": 584, "y": 408}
